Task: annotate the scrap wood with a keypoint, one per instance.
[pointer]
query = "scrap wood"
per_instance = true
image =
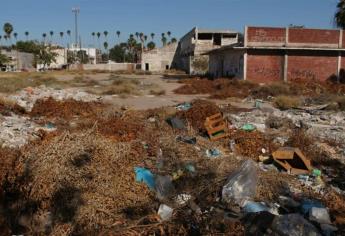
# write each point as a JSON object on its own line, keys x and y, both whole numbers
{"x": 216, "y": 127}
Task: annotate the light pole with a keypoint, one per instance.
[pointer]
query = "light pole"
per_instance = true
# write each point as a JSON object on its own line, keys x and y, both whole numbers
{"x": 76, "y": 11}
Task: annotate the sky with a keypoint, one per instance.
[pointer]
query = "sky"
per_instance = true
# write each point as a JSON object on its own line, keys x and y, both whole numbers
{"x": 157, "y": 16}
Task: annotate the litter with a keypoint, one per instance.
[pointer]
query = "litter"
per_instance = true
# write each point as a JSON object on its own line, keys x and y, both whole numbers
{"x": 213, "y": 153}
{"x": 190, "y": 168}
{"x": 241, "y": 185}
{"x": 248, "y": 127}
{"x": 164, "y": 187}
{"x": 292, "y": 160}
{"x": 319, "y": 215}
{"x": 258, "y": 103}
{"x": 183, "y": 198}
{"x": 184, "y": 106}
{"x": 176, "y": 123}
{"x": 165, "y": 212}
{"x": 316, "y": 172}
{"x": 216, "y": 127}
{"x": 254, "y": 207}
{"x": 186, "y": 139}
{"x": 144, "y": 175}
{"x": 308, "y": 204}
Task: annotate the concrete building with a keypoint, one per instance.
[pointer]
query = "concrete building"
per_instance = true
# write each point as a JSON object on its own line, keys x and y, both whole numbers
{"x": 60, "y": 60}
{"x": 191, "y": 56}
{"x": 18, "y": 61}
{"x": 281, "y": 54}
{"x": 159, "y": 59}
{"x": 94, "y": 54}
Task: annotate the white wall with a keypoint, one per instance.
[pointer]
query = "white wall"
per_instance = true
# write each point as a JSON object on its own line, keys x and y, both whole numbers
{"x": 158, "y": 59}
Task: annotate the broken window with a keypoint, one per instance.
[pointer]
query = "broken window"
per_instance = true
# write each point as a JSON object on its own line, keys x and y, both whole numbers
{"x": 217, "y": 39}
{"x": 229, "y": 36}
{"x": 204, "y": 36}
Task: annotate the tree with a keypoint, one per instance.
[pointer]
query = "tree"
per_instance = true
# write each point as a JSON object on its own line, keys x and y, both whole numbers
{"x": 93, "y": 34}
{"x": 105, "y": 34}
{"x": 152, "y": 35}
{"x": 69, "y": 36}
{"x": 15, "y": 35}
{"x": 27, "y": 35}
{"x": 105, "y": 45}
{"x": 339, "y": 16}
{"x": 118, "y": 53}
{"x": 163, "y": 35}
{"x": 145, "y": 38}
{"x": 3, "y": 59}
{"x": 80, "y": 57}
{"x": 0, "y": 41}
{"x": 45, "y": 56}
{"x": 169, "y": 34}
{"x": 51, "y": 35}
{"x": 137, "y": 35}
{"x": 173, "y": 40}
{"x": 8, "y": 29}
{"x": 118, "y": 33}
{"x": 164, "y": 41}
{"x": 44, "y": 35}
{"x": 98, "y": 36}
{"x": 151, "y": 45}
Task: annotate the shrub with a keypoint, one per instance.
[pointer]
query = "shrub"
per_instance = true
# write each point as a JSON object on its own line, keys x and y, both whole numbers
{"x": 286, "y": 102}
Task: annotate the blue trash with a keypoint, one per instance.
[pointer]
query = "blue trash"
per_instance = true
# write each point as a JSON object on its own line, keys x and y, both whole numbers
{"x": 307, "y": 204}
{"x": 254, "y": 207}
{"x": 184, "y": 106}
{"x": 213, "y": 153}
{"x": 144, "y": 175}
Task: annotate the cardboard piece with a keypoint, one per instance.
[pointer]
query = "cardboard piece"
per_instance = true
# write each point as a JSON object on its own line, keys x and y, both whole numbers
{"x": 292, "y": 160}
{"x": 216, "y": 127}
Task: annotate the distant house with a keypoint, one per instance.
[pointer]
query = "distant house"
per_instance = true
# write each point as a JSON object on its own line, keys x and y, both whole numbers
{"x": 281, "y": 54}
{"x": 188, "y": 55}
{"x": 94, "y": 54}
{"x": 19, "y": 61}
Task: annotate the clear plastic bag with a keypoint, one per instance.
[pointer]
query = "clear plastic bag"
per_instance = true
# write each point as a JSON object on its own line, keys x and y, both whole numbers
{"x": 241, "y": 185}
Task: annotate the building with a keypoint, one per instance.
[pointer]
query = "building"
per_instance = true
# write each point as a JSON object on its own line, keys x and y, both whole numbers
{"x": 19, "y": 61}
{"x": 94, "y": 54}
{"x": 60, "y": 60}
{"x": 159, "y": 59}
{"x": 281, "y": 54}
{"x": 191, "y": 56}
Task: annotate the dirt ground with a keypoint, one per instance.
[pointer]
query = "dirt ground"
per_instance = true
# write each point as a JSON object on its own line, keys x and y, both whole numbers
{"x": 75, "y": 174}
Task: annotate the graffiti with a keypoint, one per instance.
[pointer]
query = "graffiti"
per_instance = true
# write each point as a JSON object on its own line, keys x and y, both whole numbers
{"x": 262, "y": 36}
{"x": 302, "y": 74}
{"x": 266, "y": 72}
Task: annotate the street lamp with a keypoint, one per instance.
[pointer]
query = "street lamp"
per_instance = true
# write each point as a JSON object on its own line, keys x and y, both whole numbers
{"x": 76, "y": 11}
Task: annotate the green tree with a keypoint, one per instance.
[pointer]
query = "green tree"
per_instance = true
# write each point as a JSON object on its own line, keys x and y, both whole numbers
{"x": 151, "y": 45}
{"x": 8, "y": 29}
{"x": 152, "y": 35}
{"x": 3, "y": 59}
{"x": 69, "y": 36}
{"x": 93, "y": 34}
{"x": 105, "y": 45}
{"x": 98, "y": 36}
{"x": 118, "y": 33}
{"x": 45, "y": 56}
{"x": 137, "y": 35}
{"x": 61, "y": 36}
{"x": 118, "y": 53}
{"x": 173, "y": 40}
{"x": 105, "y": 34}
{"x": 44, "y": 35}
{"x": 80, "y": 57}
{"x": 51, "y": 35}
{"x": 164, "y": 41}
{"x": 27, "y": 35}
{"x": 169, "y": 34}
{"x": 339, "y": 16}
{"x": 15, "y": 35}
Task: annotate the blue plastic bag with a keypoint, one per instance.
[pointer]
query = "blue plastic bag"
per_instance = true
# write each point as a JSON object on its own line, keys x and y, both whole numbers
{"x": 144, "y": 175}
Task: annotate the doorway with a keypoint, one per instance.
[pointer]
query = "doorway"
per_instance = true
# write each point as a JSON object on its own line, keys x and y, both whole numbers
{"x": 147, "y": 67}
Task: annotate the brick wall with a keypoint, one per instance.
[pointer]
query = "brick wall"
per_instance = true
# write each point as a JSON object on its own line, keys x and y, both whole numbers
{"x": 259, "y": 36}
{"x": 314, "y": 37}
{"x": 312, "y": 65}
{"x": 265, "y": 67}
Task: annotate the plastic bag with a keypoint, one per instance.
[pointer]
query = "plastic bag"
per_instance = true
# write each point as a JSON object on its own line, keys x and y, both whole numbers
{"x": 164, "y": 187}
{"x": 241, "y": 185}
{"x": 144, "y": 175}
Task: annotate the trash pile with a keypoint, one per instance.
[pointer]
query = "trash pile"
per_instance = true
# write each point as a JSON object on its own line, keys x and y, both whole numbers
{"x": 185, "y": 170}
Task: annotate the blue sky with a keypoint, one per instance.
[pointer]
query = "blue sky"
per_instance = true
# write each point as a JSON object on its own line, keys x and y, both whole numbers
{"x": 177, "y": 16}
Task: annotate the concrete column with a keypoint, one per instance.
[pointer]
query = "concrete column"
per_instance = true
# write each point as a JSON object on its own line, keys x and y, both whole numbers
{"x": 339, "y": 65}
{"x": 287, "y": 37}
{"x": 245, "y": 36}
{"x": 245, "y": 65}
{"x": 286, "y": 60}
{"x": 340, "y": 38}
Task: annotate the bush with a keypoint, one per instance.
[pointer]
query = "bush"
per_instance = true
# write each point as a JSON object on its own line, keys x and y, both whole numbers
{"x": 286, "y": 102}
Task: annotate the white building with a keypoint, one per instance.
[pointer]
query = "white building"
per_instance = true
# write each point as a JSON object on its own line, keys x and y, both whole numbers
{"x": 60, "y": 60}
{"x": 94, "y": 54}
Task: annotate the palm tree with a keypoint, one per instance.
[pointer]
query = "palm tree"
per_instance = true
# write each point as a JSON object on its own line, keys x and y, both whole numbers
{"x": 5, "y": 37}
{"x": 51, "y": 36}
{"x": 93, "y": 34}
{"x": 173, "y": 40}
{"x": 8, "y": 29}
{"x": 27, "y": 35}
{"x": 131, "y": 36}
{"x": 44, "y": 35}
{"x": 105, "y": 45}
{"x": 145, "y": 38}
{"x": 61, "y": 36}
{"x": 69, "y": 35}
{"x": 98, "y": 36}
{"x": 137, "y": 35}
{"x": 339, "y": 17}
{"x": 164, "y": 40}
{"x": 0, "y": 41}
{"x": 152, "y": 35}
{"x": 118, "y": 33}
{"x": 169, "y": 34}
{"x": 15, "y": 34}
{"x": 105, "y": 34}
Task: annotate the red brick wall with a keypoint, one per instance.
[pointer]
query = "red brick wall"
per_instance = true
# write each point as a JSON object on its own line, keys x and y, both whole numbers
{"x": 314, "y": 36}
{"x": 266, "y": 34}
{"x": 316, "y": 65}
{"x": 264, "y": 67}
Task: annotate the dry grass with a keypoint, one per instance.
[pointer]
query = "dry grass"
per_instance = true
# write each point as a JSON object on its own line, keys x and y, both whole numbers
{"x": 287, "y": 102}
{"x": 157, "y": 92}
